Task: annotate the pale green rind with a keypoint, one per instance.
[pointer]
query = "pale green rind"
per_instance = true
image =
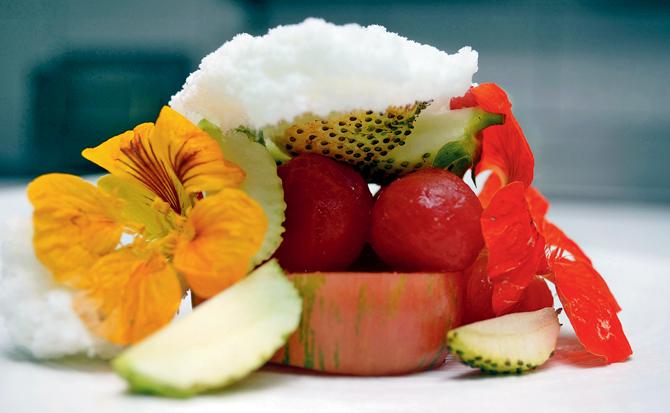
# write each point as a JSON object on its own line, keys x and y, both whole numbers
{"x": 221, "y": 342}
{"x": 385, "y": 145}
{"x": 431, "y": 132}
{"x": 261, "y": 183}
{"x": 513, "y": 343}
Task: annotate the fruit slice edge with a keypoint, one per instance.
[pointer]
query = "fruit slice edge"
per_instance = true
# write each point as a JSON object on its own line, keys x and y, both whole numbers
{"x": 261, "y": 183}
{"x": 222, "y": 341}
{"x": 512, "y": 343}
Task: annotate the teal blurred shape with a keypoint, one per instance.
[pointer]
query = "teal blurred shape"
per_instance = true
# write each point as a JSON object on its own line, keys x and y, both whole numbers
{"x": 83, "y": 97}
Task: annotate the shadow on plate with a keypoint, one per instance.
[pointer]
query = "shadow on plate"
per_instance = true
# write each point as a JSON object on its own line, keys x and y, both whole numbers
{"x": 571, "y": 352}
{"x": 259, "y": 380}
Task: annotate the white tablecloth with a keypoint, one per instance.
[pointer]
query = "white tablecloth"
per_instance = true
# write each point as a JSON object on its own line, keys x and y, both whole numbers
{"x": 628, "y": 244}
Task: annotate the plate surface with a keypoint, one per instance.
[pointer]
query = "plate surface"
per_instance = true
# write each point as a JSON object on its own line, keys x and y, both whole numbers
{"x": 629, "y": 246}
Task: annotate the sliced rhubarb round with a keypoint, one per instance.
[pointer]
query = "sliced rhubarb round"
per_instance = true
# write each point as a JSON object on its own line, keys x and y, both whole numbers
{"x": 373, "y": 324}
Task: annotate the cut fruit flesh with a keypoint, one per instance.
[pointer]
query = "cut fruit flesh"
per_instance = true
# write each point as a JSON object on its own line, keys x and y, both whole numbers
{"x": 373, "y": 324}
{"x": 222, "y": 341}
{"x": 512, "y": 343}
{"x": 384, "y": 145}
{"x": 261, "y": 183}
{"x": 327, "y": 216}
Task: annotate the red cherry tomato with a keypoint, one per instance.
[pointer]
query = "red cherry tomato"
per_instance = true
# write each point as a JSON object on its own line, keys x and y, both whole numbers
{"x": 427, "y": 221}
{"x": 327, "y": 214}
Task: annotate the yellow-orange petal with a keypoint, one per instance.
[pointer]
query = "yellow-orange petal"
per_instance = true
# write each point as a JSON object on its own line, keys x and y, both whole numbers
{"x": 74, "y": 223}
{"x": 195, "y": 157}
{"x": 220, "y": 236}
{"x": 136, "y": 155}
{"x": 149, "y": 212}
{"x": 130, "y": 294}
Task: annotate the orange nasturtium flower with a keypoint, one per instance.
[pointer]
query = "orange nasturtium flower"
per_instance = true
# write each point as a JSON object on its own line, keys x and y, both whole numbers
{"x": 133, "y": 243}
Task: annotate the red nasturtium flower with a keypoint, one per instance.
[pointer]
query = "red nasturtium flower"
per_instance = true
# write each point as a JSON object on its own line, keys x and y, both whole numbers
{"x": 522, "y": 246}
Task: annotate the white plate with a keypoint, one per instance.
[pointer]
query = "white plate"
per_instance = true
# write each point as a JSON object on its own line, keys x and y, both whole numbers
{"x": 628, "y": 244}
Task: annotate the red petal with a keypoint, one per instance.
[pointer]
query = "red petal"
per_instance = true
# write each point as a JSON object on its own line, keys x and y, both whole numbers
{"x": 538, "y": 204}
{"x": 466, "y": 101}
{"x": 509, "y": 289}
{"x": 492, "y": 185}
{"x": 504, "y": 147}
{"x": 511, "y": 224}
{"x": 535, "y": 297}
{"x": 516, "y": 248}
{"x": 492, "y": 98}
{"x": 561, "y": 248}
{"x": 478, "y": 291}
{"x": 587, "y": 302}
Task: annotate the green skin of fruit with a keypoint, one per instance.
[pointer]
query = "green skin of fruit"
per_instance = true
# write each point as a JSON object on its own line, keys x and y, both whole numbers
{"x": 276, "y": 315}
{"x": 511, "y": 344}
{"x": 386, "y": 145}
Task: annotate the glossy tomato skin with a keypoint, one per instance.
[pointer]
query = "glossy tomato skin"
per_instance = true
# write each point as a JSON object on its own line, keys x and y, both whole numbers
{"x": 427, "y": 221}
{"x": 328, "y": 208}
{"x": 373, "y": 324}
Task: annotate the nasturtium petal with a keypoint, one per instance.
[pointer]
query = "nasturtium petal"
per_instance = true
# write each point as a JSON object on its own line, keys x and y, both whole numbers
{"x": 109, "y": 154}
{"x": 491, "y": 186}
{"x": 74, "y": 223}
{"x": 478, "y": 291}
{"x": 174, "y": 159}
{"x": 468, "y": 100}
{"x": 515, "y": 246}
{"x": 561, "y": 248}
{"x": 129, "y": 294}
{"x": 149, "y": 213}
{"x": 135, "y": 155}
{"x": 508, "y": 229}
{"x": 538, "y": 206}
{"x": 509, "y": 288}
{"x": 560, "y": 245}
{"x": 492, "y": 98}
{"x": 219, "y": 238}
{"x": 261, "y": 181}
{"x": 536, "y": 296}
{"x": 522, "y": 244}
{"x": 194, "y": 156}
{"x": 505, "y": 149}
{"x": 587, "y": 303}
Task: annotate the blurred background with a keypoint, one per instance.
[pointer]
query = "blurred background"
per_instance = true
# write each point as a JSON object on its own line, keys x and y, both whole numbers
{"x": 588, "y": 79}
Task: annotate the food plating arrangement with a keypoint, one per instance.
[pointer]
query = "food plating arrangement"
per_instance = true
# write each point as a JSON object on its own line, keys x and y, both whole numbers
{"x": 332, "y": 198}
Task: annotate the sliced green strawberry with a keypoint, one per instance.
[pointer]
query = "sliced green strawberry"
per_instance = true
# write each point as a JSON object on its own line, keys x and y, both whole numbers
{"x": 512, "y": 343}
{"x": 384, "y": 145}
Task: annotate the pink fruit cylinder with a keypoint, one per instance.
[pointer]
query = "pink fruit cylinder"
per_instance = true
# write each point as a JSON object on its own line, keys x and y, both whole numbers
{"x": 373, "y": 324}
